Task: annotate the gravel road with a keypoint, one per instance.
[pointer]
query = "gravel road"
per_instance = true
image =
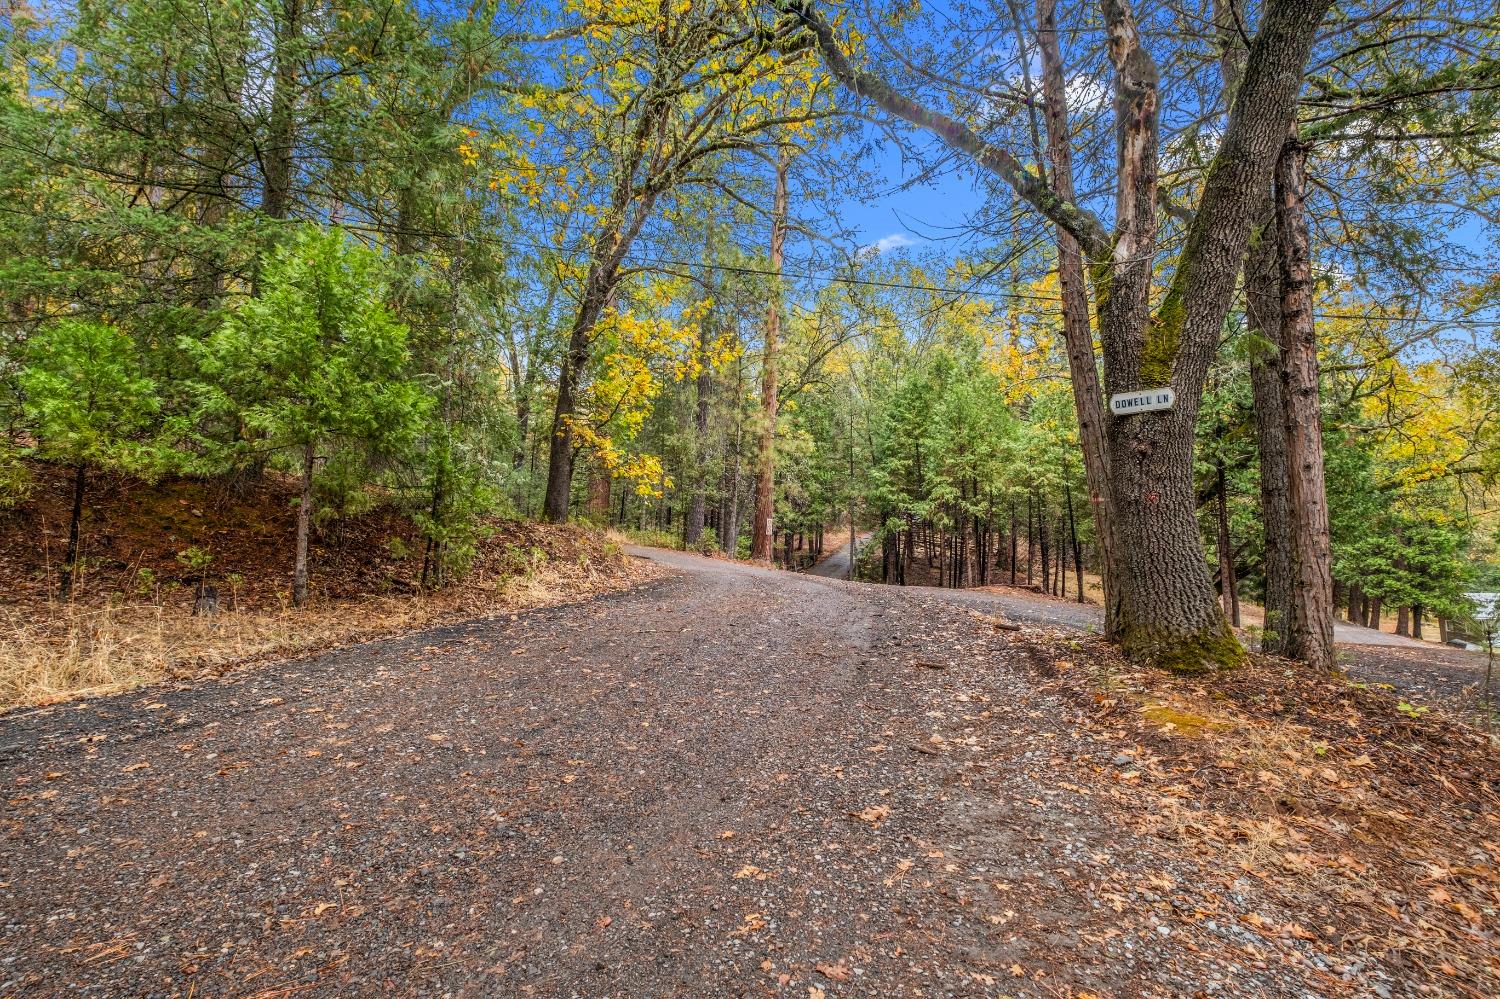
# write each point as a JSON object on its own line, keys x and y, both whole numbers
{"x": 836, "y": 564}
{"x": 733, "y": 782}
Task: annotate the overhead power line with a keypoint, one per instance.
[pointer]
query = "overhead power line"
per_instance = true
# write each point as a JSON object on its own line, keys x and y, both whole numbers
{"x": 830, "y": 277}
{"x": 835, "y": 278}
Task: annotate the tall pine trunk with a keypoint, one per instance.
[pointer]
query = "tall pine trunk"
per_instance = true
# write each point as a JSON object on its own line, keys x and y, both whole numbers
{"x": 698, "y": 501}
{"x": 1078, "y": 335}
{"x": 762, "y": 529}
{"x": 281, "y": 134}
{"x": 1310, "y": 637}
{"x": 1263, "y": 313}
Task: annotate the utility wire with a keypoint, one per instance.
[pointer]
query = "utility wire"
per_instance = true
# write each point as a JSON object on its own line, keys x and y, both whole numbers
{"x": 833, "y": 278}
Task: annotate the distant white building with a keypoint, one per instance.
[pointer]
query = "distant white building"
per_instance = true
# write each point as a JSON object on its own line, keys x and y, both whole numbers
{"x": 1470, "y": 634}
{"x": 1486, "y": 606}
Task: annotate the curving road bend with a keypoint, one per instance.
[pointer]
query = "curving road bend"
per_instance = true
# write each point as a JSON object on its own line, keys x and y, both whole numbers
{"x": 732, "y": 782}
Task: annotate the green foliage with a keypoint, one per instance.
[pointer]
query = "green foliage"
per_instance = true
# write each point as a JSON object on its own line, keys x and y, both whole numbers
{"x": 315, "y": 368}
{"x": 87, "y": 400}
{"x": 316, "y": 361}
{"x": 15, "y": 478}
{"x": 195, "y": 558}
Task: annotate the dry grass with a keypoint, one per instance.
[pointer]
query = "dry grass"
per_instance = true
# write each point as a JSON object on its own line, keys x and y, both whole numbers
{"x": 56, "y": 651}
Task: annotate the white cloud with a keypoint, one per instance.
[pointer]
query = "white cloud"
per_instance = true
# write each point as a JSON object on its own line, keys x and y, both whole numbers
{"x": 895, "y": 241}
{"x": 1087, "y": 94}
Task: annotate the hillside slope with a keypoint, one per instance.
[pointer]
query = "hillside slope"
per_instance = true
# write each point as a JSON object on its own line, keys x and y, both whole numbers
{"x": 146, "y": 548}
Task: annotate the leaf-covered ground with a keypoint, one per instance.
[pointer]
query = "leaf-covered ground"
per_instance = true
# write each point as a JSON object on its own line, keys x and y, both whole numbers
{"x": 735, "y": 782}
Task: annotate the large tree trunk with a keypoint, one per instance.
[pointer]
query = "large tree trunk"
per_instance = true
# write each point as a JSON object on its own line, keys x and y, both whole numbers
{"x": 1263, "y": 316}
{"x": 597, "y": 289}
{"x": 1310, "y": 637}
{"x": 1167, "y": 611}
{"x": 1174, "y": 619}
{"x": 1078, "y": 334}
{"x": 610, "y": 242}
{"x": 559, "y": 493}
{"x": 304, "y": 525}
{"x": 762, "y": 529}
{"x": 281, "y": 133}
{"x": 1263, "y": 313}
{"x": 600, "y": 483}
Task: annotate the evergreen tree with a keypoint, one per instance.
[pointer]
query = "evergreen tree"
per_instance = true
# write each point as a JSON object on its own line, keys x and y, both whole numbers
{"x": 313, "y": 370}
{"x": 90, "y": 406}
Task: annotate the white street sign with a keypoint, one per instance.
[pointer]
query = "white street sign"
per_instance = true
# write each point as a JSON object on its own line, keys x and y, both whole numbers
{"x": 1144, "y": 401}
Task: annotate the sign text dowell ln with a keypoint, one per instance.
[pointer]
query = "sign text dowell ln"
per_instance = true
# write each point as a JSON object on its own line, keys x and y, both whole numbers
{"x": 1144, "y": 401}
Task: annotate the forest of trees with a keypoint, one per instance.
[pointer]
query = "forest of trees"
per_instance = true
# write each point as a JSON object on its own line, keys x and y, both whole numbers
{"x": 591, "y": 261}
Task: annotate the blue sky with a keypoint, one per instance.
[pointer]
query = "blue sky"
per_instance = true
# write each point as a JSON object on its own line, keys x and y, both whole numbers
{"x": 920, "y": 215}
{"x": 915, "y": 216}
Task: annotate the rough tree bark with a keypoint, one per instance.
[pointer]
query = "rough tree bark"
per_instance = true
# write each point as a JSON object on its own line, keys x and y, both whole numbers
{"x": 276, "y": 161}
{"x": 1262, "y": 284}
{"x": 1310, "y": 637}
{"x": 1078, "y": 334}
{"x": 692, "y": 533}
{"x": 762, "y": 528}
{"x": 1263, "y": 315}
{"x": 1173, "y": 617}
{"x": 1168, "y": 613}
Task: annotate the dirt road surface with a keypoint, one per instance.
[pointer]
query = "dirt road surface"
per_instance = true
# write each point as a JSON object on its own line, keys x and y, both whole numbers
{"x": 836, "y": 565}
{"x": 733, "y": 782}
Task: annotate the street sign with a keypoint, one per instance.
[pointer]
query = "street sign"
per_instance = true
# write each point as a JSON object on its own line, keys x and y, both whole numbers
{"x": 1144, "y": 401}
